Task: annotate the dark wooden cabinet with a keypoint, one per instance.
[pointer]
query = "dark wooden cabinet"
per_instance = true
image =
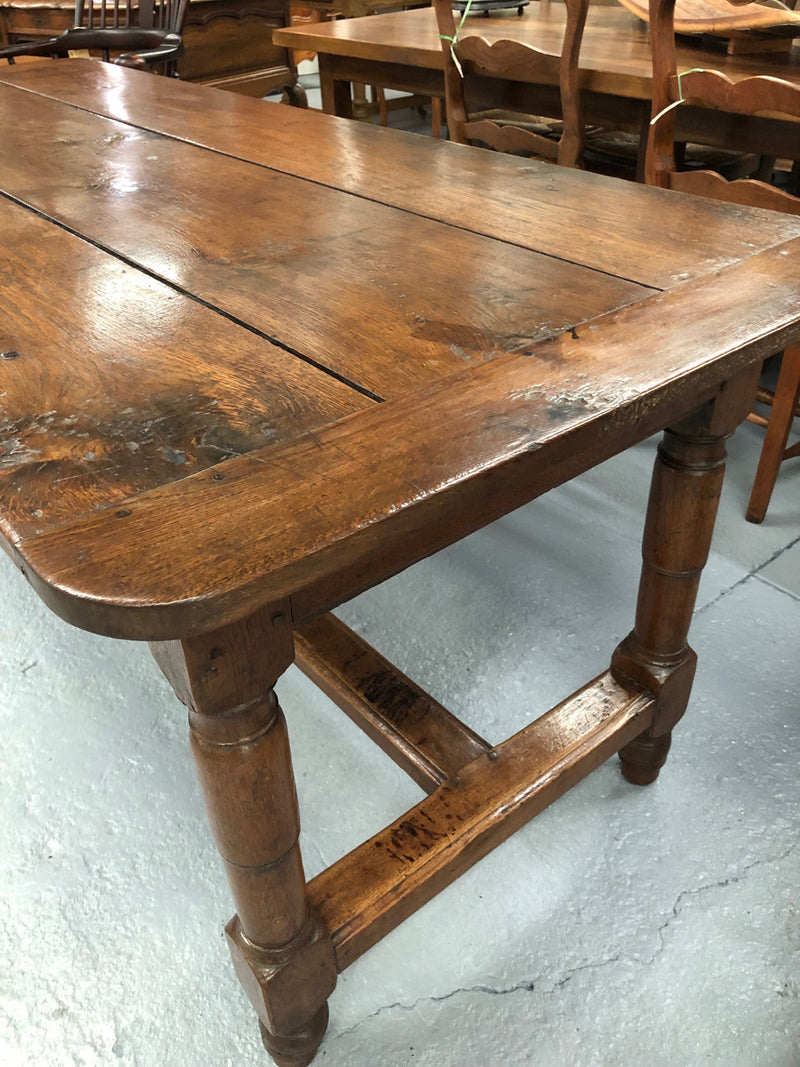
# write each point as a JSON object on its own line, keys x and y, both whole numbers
{"x": 229, "y": 45}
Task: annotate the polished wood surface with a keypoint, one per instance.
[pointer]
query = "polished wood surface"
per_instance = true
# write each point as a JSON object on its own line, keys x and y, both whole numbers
{"x": 254, "y": 360}
{"x": 402, "y": 50}
{"x": 360, "y": 160}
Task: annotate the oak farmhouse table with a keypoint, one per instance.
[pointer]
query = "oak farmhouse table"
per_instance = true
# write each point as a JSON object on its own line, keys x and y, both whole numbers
{"x": 402, "y": 50}
{"x": 254, "y": 360}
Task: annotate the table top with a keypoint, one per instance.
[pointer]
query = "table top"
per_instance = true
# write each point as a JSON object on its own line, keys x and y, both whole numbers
{"x": 614, "y": 59}
{"x": 254, "y": 355}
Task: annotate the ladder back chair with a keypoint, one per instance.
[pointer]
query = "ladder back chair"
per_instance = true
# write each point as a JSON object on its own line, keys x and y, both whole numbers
{"x": 750, "y": 97}
{"x": 141, "y": 34}
{"x": 471, "y": 63}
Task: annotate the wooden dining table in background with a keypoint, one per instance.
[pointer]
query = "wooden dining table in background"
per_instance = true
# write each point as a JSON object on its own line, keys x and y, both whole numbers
{"x": 402, "y": 50}
{"x": 255, "y": 360}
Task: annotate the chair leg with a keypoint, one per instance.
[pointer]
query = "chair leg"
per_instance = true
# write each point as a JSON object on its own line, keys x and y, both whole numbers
{"x": 780, "y": 421}
{"x": 436, "y": 117}
{"x": 380, "y": 98}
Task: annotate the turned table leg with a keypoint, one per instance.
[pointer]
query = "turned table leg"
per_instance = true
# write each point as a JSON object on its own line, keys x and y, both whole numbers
{"x": 684, "y": 494}
{"x": 281, "y": 952}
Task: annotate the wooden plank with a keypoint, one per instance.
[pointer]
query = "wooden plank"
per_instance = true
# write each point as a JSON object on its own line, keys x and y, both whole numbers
{"x": 356, "y": 501}
{"x": 354, "y": 276}
{"x": 379, "y": 884}
{"x": 113, "y": 383}
{"x": 529, "y": 200}
{"x": 420, "y": 735}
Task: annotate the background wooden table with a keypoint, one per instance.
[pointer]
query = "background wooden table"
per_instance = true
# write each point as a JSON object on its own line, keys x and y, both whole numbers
{"x": 401, "y": 50}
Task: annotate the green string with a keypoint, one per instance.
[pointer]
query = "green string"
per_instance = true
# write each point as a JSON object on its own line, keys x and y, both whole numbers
{"x": 694, "y": 70}
{"x": 454, "y": 40}
{"x": 680, "y": 100}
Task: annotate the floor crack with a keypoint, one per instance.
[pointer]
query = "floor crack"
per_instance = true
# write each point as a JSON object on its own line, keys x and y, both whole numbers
{"x": 754, "y": 572}
{"x": 523, "y": 986}
{"x": 591, "y": 966}
{"x": 529, "y": 985}
{"x": 732, "y": 880}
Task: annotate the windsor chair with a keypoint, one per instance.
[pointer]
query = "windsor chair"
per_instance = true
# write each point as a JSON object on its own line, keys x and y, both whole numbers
{"x": 146, "y": 34}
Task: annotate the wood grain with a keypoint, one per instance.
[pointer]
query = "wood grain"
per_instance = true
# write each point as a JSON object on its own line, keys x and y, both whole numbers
{"x": 247, "y": 240}
{"x": 722, "y": 16}
{"x": 368, "y": 495}
{"x": 615, "y": 55}
{"x": 120, "y": 383}
{"x": 725, "y": 99}
{"x": 164, "y": 299}
{"x": 281, "y": 952}
{"x": 528, "y": 202}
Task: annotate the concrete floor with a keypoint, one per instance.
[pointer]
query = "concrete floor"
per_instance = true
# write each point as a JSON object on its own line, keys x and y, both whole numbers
{"x": 624, "y": 926}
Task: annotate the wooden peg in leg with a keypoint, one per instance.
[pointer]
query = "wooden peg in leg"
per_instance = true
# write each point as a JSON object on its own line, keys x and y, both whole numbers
{"x": 281, "y": 952}
{"x": 684, "y": 494}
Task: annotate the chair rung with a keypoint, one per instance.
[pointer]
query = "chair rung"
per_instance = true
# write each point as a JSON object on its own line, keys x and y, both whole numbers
{"x": 767, "y": 396}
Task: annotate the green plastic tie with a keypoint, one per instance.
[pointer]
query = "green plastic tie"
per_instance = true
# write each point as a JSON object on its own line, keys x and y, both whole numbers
{"x": 454, "y": 40}
{"x": 694, "y": 70}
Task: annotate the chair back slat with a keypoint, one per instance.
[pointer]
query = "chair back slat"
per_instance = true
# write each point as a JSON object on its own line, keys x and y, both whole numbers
{"x": 760, "y": 95}
{"x": 512, "y": 139}
{"x": 747, "y": 192}
{"x": 511, "y": 61}
{"x": 712, "y": 90}
{"x": 505, "y": 59}
{"x": 165, "y": 15}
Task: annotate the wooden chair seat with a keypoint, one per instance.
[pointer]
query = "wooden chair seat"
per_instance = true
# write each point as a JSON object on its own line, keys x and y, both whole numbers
{"x": 625, "y": 146}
